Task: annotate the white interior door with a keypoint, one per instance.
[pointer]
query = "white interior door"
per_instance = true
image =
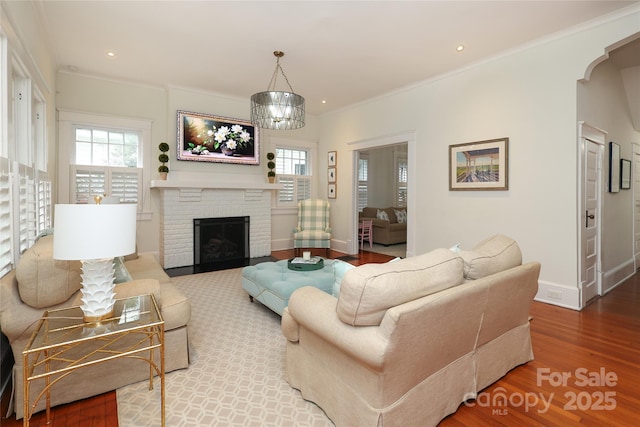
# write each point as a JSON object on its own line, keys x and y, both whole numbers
{"x": 592, "y": 147}
{"x": 591, "y": 250}
{"x": 636, "y": 203}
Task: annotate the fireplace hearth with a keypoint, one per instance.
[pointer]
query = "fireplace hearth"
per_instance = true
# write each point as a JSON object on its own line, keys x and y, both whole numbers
{"x": 220, "y": 243}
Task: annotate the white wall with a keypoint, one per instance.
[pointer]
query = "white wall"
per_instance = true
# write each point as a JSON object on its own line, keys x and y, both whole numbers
{"x": 528, "y": 96}
{"x": 117, "y": 98}
{"x": 602, "y": 103}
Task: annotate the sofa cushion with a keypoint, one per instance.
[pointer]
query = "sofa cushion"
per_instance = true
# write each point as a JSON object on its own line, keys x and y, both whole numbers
{"x": 494, "y": 254}
{"x": 369, "y": 212}
{"x": 384, "y": 216}
{"x": 339, "y": 269}
{"x": 369, "y": 290}
{"x": 401, "y": 215}
{"x": 43, "y": 281}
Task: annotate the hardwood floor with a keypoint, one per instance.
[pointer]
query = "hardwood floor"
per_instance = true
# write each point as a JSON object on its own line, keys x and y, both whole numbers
{"x": 596, "y": 351}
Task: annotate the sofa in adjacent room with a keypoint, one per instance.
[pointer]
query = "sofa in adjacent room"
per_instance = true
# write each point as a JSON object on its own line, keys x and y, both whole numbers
{"x": 405, "y": 343}
{"x": 40, "y": 283}
{"x": 389, "y": 224}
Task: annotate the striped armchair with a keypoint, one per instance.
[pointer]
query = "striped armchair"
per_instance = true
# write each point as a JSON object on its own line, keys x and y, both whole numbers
{"x": 313, "y": 229}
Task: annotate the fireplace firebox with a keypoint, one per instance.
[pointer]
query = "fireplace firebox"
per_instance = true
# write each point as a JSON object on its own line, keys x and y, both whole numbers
{"x": 220, "y": 243}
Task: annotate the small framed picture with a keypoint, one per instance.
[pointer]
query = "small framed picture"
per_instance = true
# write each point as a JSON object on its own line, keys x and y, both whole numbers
{"x": 614, "y": 168}
{"x": 331, "y": 175}
{"x": 331, "y": 191}
{"x": 625, "y": 174}
{"x": 332, "y": 158}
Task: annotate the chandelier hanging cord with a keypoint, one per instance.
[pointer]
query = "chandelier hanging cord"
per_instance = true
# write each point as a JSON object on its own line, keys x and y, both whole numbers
{"x": 274, "y": 79}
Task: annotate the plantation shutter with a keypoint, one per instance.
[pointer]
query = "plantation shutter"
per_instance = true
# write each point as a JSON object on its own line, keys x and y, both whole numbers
{"x": 303, "y": 188}
{"x": 44, "y": 201}
{"x": 296, "y": 188}
{"x": 125, "y": 184}
{"x": 5, "y": 217}
{"x": 121, "y": 182}
{"x": 89, "y": 182}
{"x": 402, "y": 183}
{"x": 363, "y": 183}
{"x": 286, "y": 194}
{"x": 28, "y": 210}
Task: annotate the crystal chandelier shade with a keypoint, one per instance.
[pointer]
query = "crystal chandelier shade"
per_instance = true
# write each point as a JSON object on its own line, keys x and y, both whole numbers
{"x": 274, "y": 109}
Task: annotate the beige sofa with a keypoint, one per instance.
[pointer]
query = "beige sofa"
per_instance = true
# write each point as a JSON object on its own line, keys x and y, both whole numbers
{"x": 39, "y": 283}
{"x": 405, "y": 343}
{"x": 386, "y": 232}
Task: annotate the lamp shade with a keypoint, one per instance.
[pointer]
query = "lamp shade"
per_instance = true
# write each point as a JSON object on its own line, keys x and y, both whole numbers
{"x": 87, "y": 232}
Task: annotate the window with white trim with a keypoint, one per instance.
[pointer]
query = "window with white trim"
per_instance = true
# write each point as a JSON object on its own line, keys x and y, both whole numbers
{"x": 363, "y": 182}
{"x": 106, "y": 163}
{"x": 293, "y": 169}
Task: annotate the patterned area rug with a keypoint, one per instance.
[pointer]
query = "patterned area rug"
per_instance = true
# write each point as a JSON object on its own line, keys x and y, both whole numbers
{"x": 236, "y": 375}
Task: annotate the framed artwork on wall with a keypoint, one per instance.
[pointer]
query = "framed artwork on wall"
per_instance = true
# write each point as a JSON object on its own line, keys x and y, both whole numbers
{"x": 331, "y": 191}
{"x": 614, "y": 167}
{"x": 332, "y": 158}
{"x": 625, "y": 174}
{"x": 481, "y": 165}
{"x": 331, "y": 175}
{"x": 208, "y": 138}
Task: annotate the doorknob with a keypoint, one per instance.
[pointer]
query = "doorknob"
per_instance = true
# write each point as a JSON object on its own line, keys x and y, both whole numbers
{"x": 588, "y": 217}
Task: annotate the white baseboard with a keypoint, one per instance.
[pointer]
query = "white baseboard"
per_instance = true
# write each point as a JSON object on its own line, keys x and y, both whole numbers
{"x": 560, "y": 295}
{"x": 281, "y": 244}
{"x": 612, "y": 278}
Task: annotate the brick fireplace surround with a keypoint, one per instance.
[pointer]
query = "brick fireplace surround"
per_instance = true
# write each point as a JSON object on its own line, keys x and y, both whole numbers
{"x": 182, "y": 201}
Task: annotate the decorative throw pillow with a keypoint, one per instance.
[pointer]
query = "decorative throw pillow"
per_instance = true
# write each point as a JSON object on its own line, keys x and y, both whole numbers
{"x": 44, "y": 281}
{"x": 382, "y": 215}
{"x": 401, "y": 214}
{"x": 339, "y": 269}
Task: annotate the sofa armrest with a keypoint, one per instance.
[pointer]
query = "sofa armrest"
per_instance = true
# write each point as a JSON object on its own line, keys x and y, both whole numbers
{"x": 383, "y": 223}
{"x": 315, "y": 310}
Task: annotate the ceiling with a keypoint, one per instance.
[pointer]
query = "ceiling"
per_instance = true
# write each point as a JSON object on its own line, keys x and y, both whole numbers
{"x": 340, "y": 52}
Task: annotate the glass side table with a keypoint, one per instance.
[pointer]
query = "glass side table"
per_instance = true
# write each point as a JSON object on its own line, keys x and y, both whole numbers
{"x": 63, "y": 343}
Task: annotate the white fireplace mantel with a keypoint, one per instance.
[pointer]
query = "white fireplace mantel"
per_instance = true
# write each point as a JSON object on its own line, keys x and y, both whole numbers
{"x": 182, "y": 199}
{"x": 182, "y": 183}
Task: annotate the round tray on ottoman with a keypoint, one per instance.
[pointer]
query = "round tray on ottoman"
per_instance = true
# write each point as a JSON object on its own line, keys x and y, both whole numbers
{"x": 299, "y": 264}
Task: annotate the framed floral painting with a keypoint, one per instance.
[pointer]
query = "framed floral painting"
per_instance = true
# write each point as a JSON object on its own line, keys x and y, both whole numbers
{"x": 207, "y": 138}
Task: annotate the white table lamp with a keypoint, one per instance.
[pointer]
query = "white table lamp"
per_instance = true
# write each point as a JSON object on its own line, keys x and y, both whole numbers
{"x": 95, "y": 234}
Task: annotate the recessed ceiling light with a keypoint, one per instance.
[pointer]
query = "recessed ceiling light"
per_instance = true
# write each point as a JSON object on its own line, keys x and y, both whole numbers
{"x": 111, "y": 53}
{"x": 460, "y": 48}
{"x": 324, "y": 101}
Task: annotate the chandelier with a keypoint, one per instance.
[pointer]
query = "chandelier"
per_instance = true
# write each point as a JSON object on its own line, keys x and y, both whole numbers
{"x": 277, "y": 109}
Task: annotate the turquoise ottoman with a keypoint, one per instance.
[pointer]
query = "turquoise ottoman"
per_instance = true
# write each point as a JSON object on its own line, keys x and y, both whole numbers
{"x": 272, "y": 283}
